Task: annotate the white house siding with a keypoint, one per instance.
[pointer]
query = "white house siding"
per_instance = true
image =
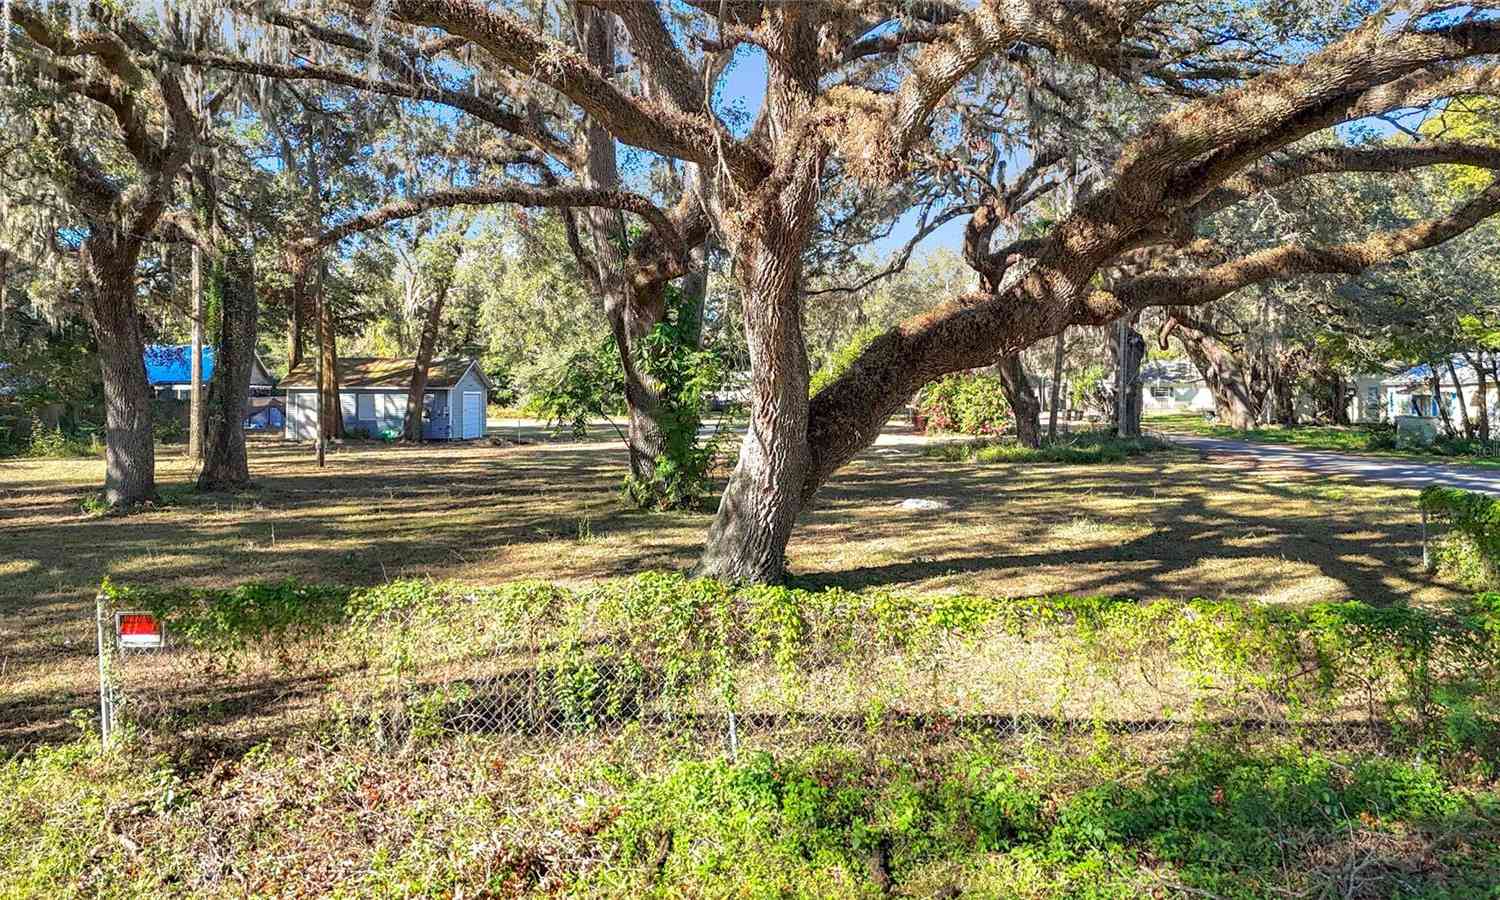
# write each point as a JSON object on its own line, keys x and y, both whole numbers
{"x": 301, "y": 415}
{"x": 1179, "y": 398}
{"x": 1368, "y": 404}
{"x": 470, "y": 383}
{"x": 1398, "y": 401}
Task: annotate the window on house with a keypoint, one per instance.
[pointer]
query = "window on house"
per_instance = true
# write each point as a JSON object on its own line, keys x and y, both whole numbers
{"x": 364, "y": 406}
{"x": 1372, "y": 395}
{"x": 1160, "y": 392}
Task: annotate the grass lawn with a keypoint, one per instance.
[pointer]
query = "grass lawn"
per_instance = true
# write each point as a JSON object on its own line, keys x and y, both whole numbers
{"x": 277, "y": 802}
{"x": 1161, "y": 525}
{"x": 1343, "y": 439}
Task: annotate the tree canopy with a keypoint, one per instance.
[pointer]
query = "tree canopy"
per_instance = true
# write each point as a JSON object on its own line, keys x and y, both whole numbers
{"x": 1106, "y": 159}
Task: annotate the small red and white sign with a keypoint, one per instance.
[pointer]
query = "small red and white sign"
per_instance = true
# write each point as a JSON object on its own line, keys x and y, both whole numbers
{"x": 137, "y": 631}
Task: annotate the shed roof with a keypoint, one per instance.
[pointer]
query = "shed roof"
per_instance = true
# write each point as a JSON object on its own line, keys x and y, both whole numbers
{"x": 1171, "y": 370}
{"x": 1421, "y": 375}
{"x": 383, "y": 372}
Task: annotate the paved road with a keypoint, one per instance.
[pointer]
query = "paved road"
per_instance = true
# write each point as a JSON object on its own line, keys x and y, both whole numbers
{"x": 1384, "y": 470}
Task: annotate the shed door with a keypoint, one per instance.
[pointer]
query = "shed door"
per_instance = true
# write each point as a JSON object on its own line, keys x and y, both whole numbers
{"x": 473, "y": 414}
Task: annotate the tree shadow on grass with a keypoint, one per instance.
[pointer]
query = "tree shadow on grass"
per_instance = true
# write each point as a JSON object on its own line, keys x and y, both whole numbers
{"x": 1154, "y": 526}
{"x": 1217, "y": 518}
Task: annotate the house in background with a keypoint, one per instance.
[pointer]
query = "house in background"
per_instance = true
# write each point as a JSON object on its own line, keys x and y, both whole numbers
{"x": 1367, "y": 401}
{"x": 1174, "y": 386}
{"x": 169, "y": 371}
{"x": 1410, "y": 393}
{"x": 372, "y": 398}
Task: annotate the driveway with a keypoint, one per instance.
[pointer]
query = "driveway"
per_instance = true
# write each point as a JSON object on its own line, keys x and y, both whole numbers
{"x": 1383, "y": 470}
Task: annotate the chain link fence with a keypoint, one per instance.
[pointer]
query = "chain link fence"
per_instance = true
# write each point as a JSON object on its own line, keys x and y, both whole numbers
{"x": 726, "y": 670}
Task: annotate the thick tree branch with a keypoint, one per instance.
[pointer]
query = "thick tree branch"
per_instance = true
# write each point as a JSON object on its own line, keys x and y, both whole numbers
{"x": 522, "y": 49}
{"x": 662, "y": 62}
{"x": 1088, "y": 31}
{"x": 481, "y": 108}
{"x": 1212, "y": 139}
{"x": 1287, "y": 261}
{"x": 1333, "y": 160}
{"x": 519, "y": 194}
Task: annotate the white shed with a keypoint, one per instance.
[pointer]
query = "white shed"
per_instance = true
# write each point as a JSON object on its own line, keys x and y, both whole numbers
{"x": 373, "y": 392}
{"x": 1174, "y": 386}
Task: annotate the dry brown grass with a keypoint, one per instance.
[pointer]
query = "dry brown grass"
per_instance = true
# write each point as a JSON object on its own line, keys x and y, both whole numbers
{"x": 1164, "y": 525}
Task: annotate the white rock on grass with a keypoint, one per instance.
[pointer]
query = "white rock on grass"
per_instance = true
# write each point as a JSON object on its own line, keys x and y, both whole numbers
{"x": 923, "y": 504}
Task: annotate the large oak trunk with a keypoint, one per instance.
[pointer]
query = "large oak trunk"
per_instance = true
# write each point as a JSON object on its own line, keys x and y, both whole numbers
{"x": 1135, "y": 353}
{"x": 1232, "y": 403}
{"x": 1283, "y": 398}
{"x": 130, "y": 451}
{"x": 1022, "y": 399}
{"x": 296, "y": 318}
{"x": 748, "y": 538}
{"x": 1236, "y": 401}
{"x": 225, "y": 462}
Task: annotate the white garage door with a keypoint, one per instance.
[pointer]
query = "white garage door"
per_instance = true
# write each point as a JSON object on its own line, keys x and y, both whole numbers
{"x": 473, "y": 414}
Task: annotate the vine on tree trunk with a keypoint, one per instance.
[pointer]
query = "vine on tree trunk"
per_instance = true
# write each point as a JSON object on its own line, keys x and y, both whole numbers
{"x": 591, "y": 385}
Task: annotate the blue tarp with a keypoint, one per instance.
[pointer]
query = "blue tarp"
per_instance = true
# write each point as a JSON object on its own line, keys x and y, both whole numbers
{"x": 171, "y": 364}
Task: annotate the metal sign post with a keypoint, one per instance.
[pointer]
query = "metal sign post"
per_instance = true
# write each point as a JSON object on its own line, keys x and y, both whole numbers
{"x": 115, "y": 633}
{"x": 106, "y": 692}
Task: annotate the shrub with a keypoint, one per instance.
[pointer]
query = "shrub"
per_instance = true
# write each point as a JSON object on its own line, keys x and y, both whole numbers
{"x": 1472, "y": 549}
{"x": 52, "y": 443}
{"x": 1455, "y": 445}
{"x": 592, "y": 385}
{"x": 168, "y": 429}
{"x": 965, "y": 403}
{"x": 1081, "y": 448}
{"x": 1381, "y": 437}
{"x": 826, "y": 823}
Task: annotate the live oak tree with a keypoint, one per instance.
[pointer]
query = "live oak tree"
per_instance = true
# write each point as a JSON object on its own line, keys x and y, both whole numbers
{"x": 628, "y": 269}
{"x": 115, "y": 132}
{"x": 1221, "y": 125}
{"x": 1216, "y": 107}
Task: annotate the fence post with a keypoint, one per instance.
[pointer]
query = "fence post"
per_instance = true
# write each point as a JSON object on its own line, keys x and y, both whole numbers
{"x": 1426, "y": 553}
{"x": 103, "y": 636}
{"x": 734, "y": 738}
